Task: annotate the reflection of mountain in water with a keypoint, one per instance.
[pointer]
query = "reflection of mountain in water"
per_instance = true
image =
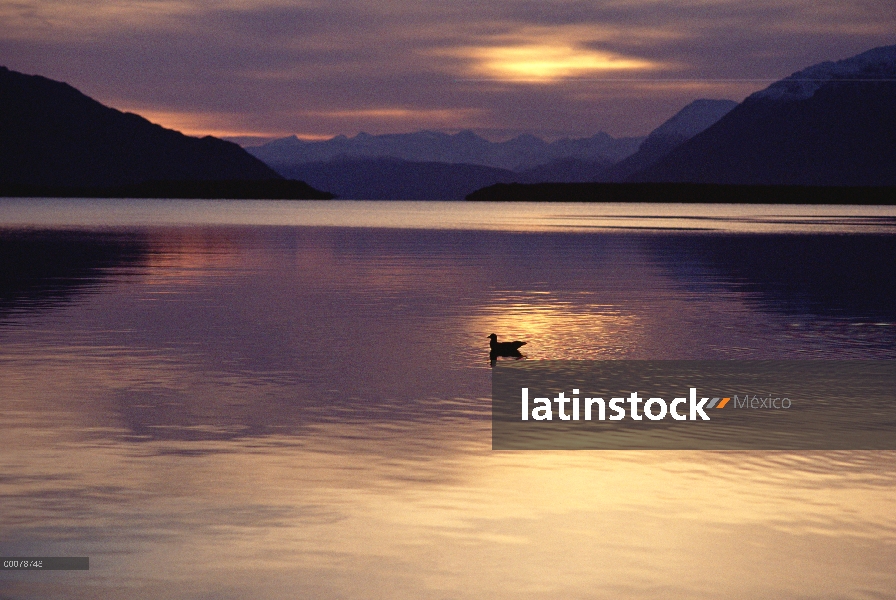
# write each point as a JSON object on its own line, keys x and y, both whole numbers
{"x": 832, "y": 275}
{"x": 42, "y": 269}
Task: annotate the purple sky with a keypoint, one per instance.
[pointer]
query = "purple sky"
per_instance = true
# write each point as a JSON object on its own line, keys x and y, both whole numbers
{"x": 319, "y": 68}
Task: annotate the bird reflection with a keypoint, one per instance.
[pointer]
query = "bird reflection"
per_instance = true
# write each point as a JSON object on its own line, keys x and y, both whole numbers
{"x": 505, "y": 349}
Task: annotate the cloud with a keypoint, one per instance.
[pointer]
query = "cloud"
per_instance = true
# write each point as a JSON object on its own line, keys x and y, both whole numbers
{"x": 342, "y": 66}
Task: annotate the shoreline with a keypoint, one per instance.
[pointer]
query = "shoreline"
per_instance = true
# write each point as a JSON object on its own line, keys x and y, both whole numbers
{"x": 689, "y": 193}
{"x": 270, "y": 189}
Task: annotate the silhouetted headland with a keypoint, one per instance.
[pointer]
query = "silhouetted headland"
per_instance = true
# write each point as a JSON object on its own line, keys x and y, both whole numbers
{"x": 684, "y": 192}
{"x": 268, "y": 189}
{"x": 55, "y": 141}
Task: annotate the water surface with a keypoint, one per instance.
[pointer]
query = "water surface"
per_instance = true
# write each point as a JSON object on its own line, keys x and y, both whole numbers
{"x": 286, "y": 400}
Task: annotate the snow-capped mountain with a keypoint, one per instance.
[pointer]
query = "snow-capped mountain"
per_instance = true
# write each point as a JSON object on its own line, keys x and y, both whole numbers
{"x": 833, "y": 123}
{"x": 877, "y": 64}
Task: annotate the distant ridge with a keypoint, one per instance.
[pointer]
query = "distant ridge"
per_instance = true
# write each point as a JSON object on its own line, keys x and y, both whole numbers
{"x": 691, "y": 120}
{"x": 54, "y": 138}
{"x": 431, "y": 165}
{"x": 833, "y": 123}
{"x": 517, "y": 154}
{"x": 380, "y": 178}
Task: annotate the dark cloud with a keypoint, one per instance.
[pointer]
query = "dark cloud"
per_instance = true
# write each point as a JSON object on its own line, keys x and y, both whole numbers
{"x": 324, "y": 68}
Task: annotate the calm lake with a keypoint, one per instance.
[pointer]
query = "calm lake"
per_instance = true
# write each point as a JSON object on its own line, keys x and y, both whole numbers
{"x": 280, "y": 400}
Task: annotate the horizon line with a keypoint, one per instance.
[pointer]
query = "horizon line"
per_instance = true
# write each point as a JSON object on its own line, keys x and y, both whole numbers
{"x": 668, "y": 79}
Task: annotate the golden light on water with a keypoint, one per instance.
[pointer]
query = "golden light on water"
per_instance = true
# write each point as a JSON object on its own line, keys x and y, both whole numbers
{"x": 266, "y": 414}
{"x": 555, "y": 329}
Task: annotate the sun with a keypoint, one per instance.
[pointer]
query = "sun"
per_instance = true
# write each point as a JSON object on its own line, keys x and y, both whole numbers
{"x": 544, "y": 62}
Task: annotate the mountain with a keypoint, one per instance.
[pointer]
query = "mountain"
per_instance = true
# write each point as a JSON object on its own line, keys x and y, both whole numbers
{"x": 519, "y": 153}
{"x": 831, "y": 124}
{"x": 430, "y": 165}
{"x": 694, "y": 118}
{"x": 566, "y": 170}
{"x": 53, "y": 136}
{"x": 383, "y": 178}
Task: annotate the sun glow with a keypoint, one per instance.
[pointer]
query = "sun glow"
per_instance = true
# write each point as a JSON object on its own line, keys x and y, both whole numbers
{"x": 542, "y": 62}
{"x": 200, "y": 124}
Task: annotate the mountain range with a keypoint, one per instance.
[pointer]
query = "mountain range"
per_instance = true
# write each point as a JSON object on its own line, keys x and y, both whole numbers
{"x": 429, "y": 165}
{"x": 832, "y": 124}
{"x": 517, "y": 154}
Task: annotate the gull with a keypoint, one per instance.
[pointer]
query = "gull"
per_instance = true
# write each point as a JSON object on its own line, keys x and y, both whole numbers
{"x": 504, "y": 348}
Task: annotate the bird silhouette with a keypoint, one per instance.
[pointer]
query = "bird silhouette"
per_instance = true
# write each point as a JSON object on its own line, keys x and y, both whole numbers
{"x": 507, "y": 349}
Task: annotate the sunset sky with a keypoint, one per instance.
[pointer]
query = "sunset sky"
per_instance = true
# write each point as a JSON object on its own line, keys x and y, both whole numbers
{"x": 317, "y": 68}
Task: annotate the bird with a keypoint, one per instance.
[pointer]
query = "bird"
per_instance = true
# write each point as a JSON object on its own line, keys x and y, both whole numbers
{"x": 504, "y": 348}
